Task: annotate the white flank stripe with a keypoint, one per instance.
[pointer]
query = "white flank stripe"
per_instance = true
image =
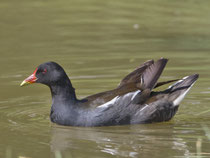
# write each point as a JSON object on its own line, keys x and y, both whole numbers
{"x": 134, "y": 95}
{"x": 144, "y": 107}
{"x": 111, "y": 102}
{"x": 130, "y": 96}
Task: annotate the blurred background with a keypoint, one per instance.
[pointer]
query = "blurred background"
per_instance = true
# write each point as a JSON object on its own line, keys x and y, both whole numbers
{"x": 98, "y": 43}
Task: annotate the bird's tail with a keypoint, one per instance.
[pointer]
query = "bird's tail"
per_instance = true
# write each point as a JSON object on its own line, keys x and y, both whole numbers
{"x": 178, "y": 90}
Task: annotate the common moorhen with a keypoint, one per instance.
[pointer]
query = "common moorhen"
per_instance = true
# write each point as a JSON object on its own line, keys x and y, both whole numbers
{"x": 132, "y": 102}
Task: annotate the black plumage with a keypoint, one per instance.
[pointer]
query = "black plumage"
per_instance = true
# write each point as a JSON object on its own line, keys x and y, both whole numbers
{"x": 132, "y": 102}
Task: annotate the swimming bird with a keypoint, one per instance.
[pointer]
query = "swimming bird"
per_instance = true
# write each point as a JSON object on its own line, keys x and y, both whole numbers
{"x": 133, "y": 101}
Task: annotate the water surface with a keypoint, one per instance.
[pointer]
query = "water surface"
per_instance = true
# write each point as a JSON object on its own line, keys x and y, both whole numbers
{"x": 98, "y": 43}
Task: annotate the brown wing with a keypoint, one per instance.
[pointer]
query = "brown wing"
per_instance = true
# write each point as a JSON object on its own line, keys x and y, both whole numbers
{"x": 135, "y": 76}
{"x": 143, "y": 77}
{"x": 101, "y": 98}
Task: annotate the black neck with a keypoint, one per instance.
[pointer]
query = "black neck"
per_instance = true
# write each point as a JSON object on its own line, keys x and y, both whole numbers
{"x": 63, "y": 91}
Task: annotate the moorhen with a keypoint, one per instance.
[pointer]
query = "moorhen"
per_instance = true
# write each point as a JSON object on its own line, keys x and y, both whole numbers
{"x": 132, "y": 102}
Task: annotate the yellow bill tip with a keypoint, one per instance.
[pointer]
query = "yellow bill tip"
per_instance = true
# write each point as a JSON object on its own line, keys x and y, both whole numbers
{"x": 24, "y": 83}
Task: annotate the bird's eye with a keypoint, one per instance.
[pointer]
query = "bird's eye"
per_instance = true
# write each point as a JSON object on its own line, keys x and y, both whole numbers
{"x": 44, "y": 71}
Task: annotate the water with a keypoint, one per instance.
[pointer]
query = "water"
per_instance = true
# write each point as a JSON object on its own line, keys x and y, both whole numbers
{"x": 98, "y": 43}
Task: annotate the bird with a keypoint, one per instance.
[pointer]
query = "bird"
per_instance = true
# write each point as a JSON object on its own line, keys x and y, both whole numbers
{"x": 133, "y": 101}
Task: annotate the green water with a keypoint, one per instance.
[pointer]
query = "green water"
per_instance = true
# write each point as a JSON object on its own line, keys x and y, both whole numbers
{"x": 98, "y": 43}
